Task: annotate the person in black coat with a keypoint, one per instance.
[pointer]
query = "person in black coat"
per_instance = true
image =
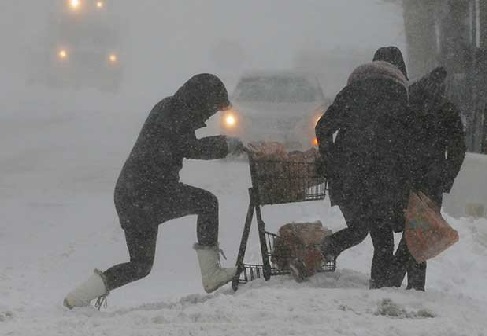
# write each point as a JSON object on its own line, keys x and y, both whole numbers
{"x": 438, "y": 154}
{"x": 149, "y": 192}
{"x": 363, "y": 138}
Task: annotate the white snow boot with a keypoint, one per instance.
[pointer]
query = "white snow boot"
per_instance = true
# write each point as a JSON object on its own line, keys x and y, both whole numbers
{"x": 93, "y": 288}
{"x": 213, "y": 276}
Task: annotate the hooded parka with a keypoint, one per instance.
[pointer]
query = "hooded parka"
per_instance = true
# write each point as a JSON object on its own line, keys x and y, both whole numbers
{"x": 438, "y": 152}
{"x": 148, "y": 185}
{"x": 363, "y": 136}
{"x": 364, "y": 141}
{"x": 440, "y": 138}
{"x": 148, "y": 190}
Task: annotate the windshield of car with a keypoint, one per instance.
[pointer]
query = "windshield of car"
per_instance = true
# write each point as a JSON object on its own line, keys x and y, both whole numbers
{"x": 277, "y": 89}
{"x": 92, "y": 33}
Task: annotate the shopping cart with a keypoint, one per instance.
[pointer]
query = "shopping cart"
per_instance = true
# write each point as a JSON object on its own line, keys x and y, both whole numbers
{"x": 276, "y": 181}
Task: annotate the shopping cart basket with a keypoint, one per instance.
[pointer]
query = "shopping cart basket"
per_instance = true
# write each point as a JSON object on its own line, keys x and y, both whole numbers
{"x": 275, "y": 181}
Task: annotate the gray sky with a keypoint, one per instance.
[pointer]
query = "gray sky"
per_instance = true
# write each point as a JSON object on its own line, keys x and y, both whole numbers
{"x": 167, "y": 41}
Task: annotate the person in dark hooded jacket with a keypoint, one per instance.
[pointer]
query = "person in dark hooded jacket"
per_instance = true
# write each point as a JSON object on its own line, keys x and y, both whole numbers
{"x": 148, "y": 191}
{"x": 439, "y": 151}
{"x": 363, "y": 138}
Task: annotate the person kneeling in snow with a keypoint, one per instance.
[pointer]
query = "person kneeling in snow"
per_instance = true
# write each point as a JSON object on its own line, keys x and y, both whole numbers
{"x": 149, "y": 192}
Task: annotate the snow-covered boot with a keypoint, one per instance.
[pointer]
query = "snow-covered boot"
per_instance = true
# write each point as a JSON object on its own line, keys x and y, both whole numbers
{"x": 213, "y": 276}
{"x": 93, "y": 288}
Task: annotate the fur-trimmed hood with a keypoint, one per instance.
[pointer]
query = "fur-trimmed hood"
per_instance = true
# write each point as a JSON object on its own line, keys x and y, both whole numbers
{"x": 393, "y": 56}
{"x": 378, "y": 70}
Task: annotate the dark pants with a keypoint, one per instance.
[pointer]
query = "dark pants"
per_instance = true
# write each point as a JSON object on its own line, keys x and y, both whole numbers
{"x": 140, "y": 221}
{"x": 352, "y": 235}
{"x": 363, "y": 218}
{"x": 142, "y": 248}
{"x": 405, "y": 264}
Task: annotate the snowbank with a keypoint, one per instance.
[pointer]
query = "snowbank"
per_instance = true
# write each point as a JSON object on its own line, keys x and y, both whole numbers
{"x": 468, "y": 197}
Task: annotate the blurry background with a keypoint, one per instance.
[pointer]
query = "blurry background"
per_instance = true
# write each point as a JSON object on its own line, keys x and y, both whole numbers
{"x": 163, "y": 43}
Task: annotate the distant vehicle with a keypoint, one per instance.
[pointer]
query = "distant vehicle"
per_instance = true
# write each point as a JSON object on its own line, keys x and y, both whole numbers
{"x": 80, "y": 50}
{"x": 275, "y": 106}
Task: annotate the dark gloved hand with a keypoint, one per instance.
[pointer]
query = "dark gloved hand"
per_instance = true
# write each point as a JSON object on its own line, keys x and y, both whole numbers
{"x": 235, "y": 146}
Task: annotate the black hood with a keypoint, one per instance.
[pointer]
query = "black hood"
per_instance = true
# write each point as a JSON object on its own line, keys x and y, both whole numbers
{"x": 203, "y": 95}
{"x": 430, "y": 87}
{"x": 393, "y": 56}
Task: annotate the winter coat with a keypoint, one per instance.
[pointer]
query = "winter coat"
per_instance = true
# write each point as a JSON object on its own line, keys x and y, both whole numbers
{"x": 439, "y": 148}
{"x": 167, "y": 137}
{"x": 363, "y": 138}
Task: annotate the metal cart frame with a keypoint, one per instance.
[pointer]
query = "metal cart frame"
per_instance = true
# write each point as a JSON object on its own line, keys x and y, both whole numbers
{"x": 275, "y": 182}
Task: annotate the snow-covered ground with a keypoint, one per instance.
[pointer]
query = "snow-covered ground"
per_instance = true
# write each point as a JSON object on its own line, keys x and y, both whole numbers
{"x": 58, "y": 222}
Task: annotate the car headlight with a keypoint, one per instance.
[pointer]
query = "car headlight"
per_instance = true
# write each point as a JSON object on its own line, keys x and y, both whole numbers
{"x": 74, "y": 4}
{"x": 113, "y": 58}
{"x": 62, "y": 54}
{"x": 230, "y": 119}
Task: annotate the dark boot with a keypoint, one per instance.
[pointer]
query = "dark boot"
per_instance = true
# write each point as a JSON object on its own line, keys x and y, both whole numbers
{"x": 383, "y": 258}
{"x": 333, "y": 245}
{"x": 373, "y": 284}
{"x": 417, "y": 276}
{"x": 402, "y": 259}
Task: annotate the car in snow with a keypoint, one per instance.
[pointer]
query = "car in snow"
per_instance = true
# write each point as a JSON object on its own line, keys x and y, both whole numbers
{"x": 81, "y": 49}
{"x": 276, "y": 107}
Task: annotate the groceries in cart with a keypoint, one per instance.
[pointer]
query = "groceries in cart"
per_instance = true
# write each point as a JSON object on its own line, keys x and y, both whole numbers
{"x": 268, "y": 150}
{"x": 283, "y": 177}
{"x": 297, "y": 249}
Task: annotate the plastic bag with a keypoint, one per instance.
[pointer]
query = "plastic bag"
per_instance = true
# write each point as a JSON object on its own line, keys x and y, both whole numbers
{"x": 427, "y": 232}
